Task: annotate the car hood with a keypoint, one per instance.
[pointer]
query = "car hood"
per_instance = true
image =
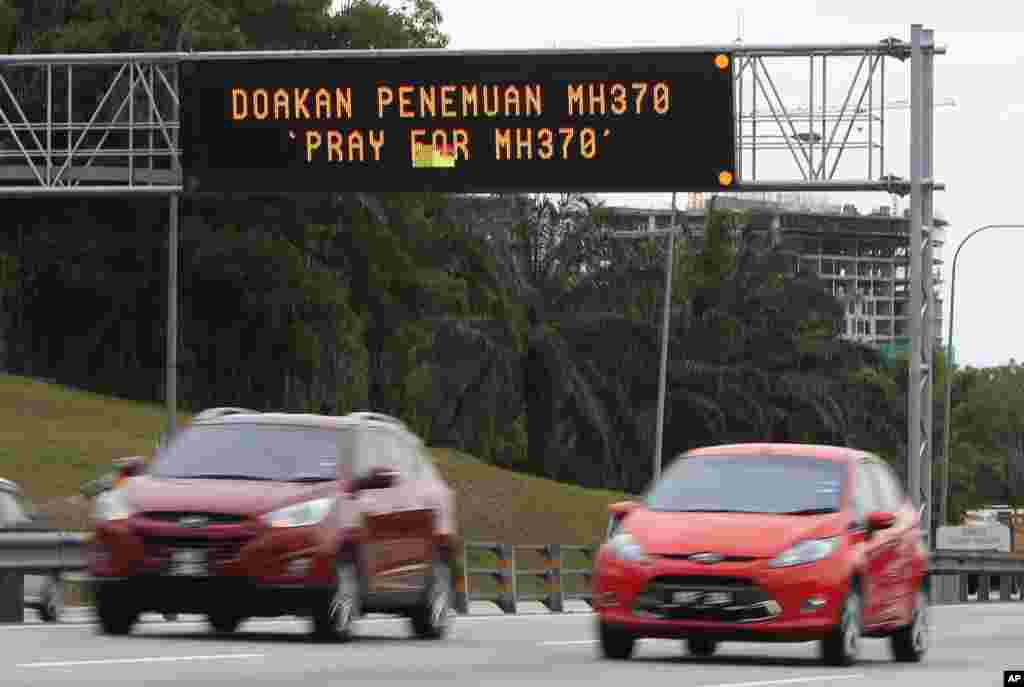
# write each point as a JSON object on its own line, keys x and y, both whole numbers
{"x": 239, "y": 497}
{"x": 731, "y": 534}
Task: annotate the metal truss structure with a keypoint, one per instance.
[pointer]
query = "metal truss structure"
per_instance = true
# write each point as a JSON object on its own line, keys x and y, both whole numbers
{"x": 108, "y": 124}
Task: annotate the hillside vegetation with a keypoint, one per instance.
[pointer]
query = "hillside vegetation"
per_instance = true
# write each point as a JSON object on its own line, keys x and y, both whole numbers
{"x": 52, "y": 439}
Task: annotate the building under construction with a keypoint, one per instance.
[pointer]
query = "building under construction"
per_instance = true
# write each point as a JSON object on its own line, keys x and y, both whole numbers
{"x": 862, "y": 258}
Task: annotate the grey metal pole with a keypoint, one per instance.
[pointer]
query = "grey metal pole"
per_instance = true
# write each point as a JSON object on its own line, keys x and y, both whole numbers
{"x": 172, "y": 320}
{"x": 914, "y": 434}
{"x": 665, "y": 320}
{"x": 172, "y": 282}
{"x": 927, "y": 271}
{"x": 946, "y": 436}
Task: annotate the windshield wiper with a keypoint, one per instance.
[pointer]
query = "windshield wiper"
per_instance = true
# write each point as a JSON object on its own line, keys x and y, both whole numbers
{"x": 810, "y": 511}
{"x": 713, "y": 510}
{"x": 251, "y": 478}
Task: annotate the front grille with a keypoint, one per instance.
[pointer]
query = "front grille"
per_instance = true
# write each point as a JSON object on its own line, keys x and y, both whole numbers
{"x": 177, "y": 516}
{"x": 218, "y": 551}
{"x": 707, "y": 598}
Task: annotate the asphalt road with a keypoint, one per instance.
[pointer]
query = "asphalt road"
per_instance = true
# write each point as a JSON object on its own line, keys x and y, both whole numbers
{"x": 971, "y": 647}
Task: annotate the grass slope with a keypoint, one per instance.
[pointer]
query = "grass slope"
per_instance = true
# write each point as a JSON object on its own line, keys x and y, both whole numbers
{"x": 52, "y": 439}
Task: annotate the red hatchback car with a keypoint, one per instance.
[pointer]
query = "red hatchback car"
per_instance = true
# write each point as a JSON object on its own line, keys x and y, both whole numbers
{"x": 767, "y": 542}
{"x": 248, "y": 514}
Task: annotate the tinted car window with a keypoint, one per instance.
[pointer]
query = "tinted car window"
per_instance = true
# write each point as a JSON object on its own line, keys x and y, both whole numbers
{"x": 865, "y": 495}
{"x": 753, "y": 484}
{"x": 253, "y": 451}
{"x": 890, "y": 492}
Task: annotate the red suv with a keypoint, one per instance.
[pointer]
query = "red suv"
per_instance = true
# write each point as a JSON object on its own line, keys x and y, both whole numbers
{"x": 767, "y": 542}
{"x": 251, "y": 514}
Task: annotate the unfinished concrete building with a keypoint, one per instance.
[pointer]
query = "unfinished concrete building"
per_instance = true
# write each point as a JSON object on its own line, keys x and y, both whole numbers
{"x": 862, "y": 258}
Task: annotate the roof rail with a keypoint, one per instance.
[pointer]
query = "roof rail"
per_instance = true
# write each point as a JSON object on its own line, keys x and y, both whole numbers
{"x": 378, "y": 417}
{"x": 213, "y": 413}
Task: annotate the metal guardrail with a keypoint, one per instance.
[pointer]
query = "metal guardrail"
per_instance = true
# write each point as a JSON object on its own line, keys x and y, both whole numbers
{"x": 972, "y": 576}
{"x": 34, "y": 553}
{"x": 507, "y": 575}
{"x": 495, "y": 573}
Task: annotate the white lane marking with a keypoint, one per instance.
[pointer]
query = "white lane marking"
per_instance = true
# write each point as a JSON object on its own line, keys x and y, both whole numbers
{"x": 788, "y": 681}
{"x": 568, "y": 642}
{"x": 144, "y": 659}
{"x": 285, "y": 621}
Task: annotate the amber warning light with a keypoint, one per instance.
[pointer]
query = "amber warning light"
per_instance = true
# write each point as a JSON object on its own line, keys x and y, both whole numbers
{"x": 722, "y": 61}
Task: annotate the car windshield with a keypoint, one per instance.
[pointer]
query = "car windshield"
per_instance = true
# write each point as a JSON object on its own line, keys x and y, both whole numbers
{"x": 749, "y": 484}
{"x": 251, "y": 452}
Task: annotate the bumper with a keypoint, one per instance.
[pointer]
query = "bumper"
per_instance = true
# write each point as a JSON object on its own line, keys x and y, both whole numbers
{"x": 800, "y": 603}
{"x": 159, "y": 594}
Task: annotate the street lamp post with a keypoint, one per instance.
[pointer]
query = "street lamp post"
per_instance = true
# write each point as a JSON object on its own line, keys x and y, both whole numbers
{"x": 944, "y": 506}
{"x": 666, "y": 317}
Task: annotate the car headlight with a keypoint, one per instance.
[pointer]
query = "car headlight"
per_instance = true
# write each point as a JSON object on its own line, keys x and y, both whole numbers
{"x": 807, "y": 551}
{"x": 624, "y": 547}
{"x": 302, "y": 514}
{"x": 112, "y": 505}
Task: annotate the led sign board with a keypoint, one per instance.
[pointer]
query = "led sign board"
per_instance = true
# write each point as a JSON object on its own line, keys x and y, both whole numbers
{"x": 460, "y": 122}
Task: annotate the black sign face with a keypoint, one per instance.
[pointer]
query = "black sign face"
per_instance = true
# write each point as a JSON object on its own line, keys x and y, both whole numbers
{"x": 616, "y": 121}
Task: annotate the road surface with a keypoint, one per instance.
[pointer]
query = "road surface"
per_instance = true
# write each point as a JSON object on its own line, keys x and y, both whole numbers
{"x": 972, "y": 645}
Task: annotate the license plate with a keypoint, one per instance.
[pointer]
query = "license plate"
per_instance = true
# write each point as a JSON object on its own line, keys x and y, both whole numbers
{"x": 698, "y": 598}
{"x": 189, "y": 563}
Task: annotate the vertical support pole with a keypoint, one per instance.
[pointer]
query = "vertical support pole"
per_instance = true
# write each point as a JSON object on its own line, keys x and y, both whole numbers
{"x": 554, "y": 580}
{"x": 666, "y": 317}
{"x": 12, "y": 596}
{"x": 915, "y": 450}
{"x": 172, "y": 281}
{"x": 462, "y": 584}
{"x": 927, "y": 279}
{"x": 172, "y": 319}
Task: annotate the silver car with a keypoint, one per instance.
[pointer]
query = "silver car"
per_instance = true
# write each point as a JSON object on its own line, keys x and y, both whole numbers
{"x": 44, "y": 593}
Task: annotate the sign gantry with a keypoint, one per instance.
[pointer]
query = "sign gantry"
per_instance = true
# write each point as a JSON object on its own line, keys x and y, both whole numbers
{"x": 653, "y": 119}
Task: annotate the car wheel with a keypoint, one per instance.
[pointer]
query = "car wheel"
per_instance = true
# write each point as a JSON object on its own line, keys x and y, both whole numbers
{"x": 52, "y": 608}
{"x": 224, "y": 622}
{"x": 616, "y": 644}
{"x": 115, "y": 612}
{"x": 909, "y": 644}
{"x": 842, "y": 646}
{"x": 431, "y": 619}
{"x": 336, "y": 618}
{"x": 700, "y": 646}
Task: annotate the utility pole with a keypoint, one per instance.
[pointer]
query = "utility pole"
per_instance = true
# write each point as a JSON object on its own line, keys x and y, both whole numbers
{"x": 666, "y": 318}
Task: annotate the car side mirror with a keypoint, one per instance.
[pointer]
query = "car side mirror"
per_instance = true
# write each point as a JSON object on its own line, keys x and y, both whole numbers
{"x": 880, "y": 520}
{"x": 130, "y": 466}
{"x": 377, "y": 478}
{"x": 617, "y": 512}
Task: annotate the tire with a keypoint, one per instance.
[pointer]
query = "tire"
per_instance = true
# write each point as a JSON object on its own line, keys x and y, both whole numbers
{"x": 842, "y": 646}
{"x": 224, "y": 622}
{"x": 699, "y": 646}
{"x": 52, "y": 608}
{"x": 909, "y": 644}
{"x": 616, "y": 644}
{"x": 431, "y": 619}
{"x": 335, "y": 617}
{"x": 115, "y": 612}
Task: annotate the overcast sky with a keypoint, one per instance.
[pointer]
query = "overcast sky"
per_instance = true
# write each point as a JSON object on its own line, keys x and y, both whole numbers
{"x": 978, "y": 143}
